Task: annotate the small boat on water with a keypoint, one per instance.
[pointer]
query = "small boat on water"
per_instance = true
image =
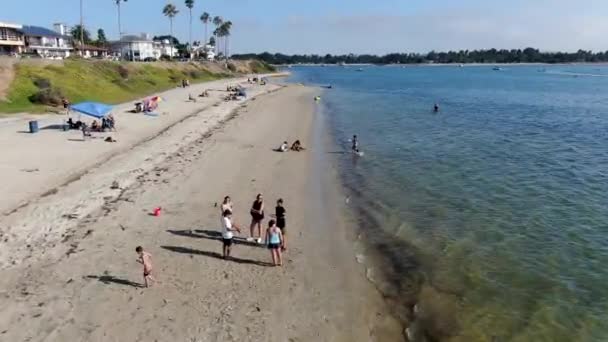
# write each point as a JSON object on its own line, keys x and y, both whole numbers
{"x": 497, "y": 68}
{"x": 461, "y": 65}
{"x": 360, "y": 69}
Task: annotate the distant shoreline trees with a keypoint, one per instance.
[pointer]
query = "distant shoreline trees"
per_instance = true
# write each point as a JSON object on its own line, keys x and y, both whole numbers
{"x": 490, "y": 56}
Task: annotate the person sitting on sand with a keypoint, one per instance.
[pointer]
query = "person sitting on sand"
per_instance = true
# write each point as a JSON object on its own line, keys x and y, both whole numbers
{"x": 274, "y": 241}
{"x": 145, "y": 259}
{"x": 257, "y": 215}
{"x": 111, "y": 122}
{"x": 284, "y": 147}
{"x": 204, "y": 93}
{"x": 95, "y": 126}
{"x": 191, "y": 98}
{"x": 228, "y": 229}
{"x": 297, "y": 146}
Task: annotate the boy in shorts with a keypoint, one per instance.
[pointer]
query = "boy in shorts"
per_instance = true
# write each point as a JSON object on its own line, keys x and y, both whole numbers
{"x": 280, "y": 211}
{"x": 228, "y": 229}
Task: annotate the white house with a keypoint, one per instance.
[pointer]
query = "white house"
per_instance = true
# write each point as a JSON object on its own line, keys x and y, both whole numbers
{"x": 165, "y": 48}
{"x": 206, "y": 51}
{"x": 11, "y": 39}
{"x": 141, "y": 47}
{"x": 136, "y": 48}
{"x": 46, "y": 43}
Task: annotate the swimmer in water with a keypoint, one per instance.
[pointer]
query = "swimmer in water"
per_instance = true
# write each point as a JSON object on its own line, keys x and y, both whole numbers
{"x": 436, "y": 108}
{"x": 355, "y": 146}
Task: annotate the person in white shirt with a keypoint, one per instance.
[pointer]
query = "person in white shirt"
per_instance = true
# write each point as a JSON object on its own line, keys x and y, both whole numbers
{"x": 228, "y": 229}
{"x": 284, "y": 147}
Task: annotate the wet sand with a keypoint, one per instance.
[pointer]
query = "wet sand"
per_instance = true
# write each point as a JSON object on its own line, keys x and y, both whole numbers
{"x": 84, "y": 283}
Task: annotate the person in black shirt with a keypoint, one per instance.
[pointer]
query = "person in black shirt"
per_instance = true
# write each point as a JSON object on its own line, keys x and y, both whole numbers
{"x": 281, "y": 223}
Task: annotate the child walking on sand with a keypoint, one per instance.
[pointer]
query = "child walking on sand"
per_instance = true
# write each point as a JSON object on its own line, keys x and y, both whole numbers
{"x": 228, "y": 232}
{"x": 274, "y": 240}
{"x": 145, "y": 259}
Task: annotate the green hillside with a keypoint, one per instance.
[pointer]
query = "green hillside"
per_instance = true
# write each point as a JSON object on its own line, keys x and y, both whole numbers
{"x": 103, "y": 81}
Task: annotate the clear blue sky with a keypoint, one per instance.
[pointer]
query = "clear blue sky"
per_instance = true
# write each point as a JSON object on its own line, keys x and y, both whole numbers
{"x": 343, "y": 26}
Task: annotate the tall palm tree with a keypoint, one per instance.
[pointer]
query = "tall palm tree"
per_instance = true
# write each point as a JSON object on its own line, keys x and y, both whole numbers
{"x": 217, "y": 21}
{"x": 225, "y": 32}
{"x": 119, "y": 28}
{"x": 205, "y": 17}
{"x": 190, "y": 4}
{"x": 170, "y": 11}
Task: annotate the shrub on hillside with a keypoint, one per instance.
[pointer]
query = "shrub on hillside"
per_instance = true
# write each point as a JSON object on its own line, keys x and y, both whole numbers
{"x": 42, "y": 83}
{"x": 48, "y": 96}
{"x": 232, "y": 67}
{"x": 123, "y": 71}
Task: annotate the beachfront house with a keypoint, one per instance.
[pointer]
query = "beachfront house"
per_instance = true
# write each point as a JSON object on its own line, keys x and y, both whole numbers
{"x": 207, "y": 52}
{"x": 164, "y": 48}
{"x": 46, "y": 43}
{"x": 90, "y": 51}
{"x": 11, "y": 39}
{"x": 135, "y": 48}
{"x": 141, "y": 48}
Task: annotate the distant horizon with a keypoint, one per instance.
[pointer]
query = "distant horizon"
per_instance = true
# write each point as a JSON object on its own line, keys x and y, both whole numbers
{"x": 330, "y": 26}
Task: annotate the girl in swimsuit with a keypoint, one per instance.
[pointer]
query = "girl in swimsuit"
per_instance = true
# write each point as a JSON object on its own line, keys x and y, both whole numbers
{"x": 257, "y": 215}
{"x": 226, "y": 205}
{"x": 274, "y": 241}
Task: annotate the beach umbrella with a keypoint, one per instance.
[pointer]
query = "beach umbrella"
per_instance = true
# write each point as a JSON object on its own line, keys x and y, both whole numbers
{"x": 94, "y": 109}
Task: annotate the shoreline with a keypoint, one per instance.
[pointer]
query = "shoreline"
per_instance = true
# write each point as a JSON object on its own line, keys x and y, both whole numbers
{"x": 66, "y": 288}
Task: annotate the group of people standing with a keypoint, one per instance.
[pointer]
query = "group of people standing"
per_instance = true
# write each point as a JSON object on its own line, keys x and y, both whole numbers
{"x": 274, "y": 236}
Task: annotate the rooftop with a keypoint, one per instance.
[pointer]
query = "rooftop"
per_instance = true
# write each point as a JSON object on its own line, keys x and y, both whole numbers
{"x": 37, "y": 31}
{"x": 10, "y": 25}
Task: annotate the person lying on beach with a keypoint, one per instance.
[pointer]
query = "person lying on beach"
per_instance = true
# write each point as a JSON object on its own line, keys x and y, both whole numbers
{"x": 283, "y": 148}
{"x": 145, "y": 259}
{"x": 297, "y": 146}
{"x": 228, "y": 229}
{"x": 257, "y": 215}
{"x": 274, "y": 241}
{"x": 279, "y": 212}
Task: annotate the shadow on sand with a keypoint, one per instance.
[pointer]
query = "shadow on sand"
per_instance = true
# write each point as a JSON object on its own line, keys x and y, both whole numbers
{"x": 108, "y": 280}
{"x": 211, "y": 235}
{"x": 187, "y": 250}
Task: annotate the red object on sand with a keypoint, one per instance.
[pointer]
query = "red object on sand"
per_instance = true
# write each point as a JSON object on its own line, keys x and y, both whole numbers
{"x": 157, "y": 211}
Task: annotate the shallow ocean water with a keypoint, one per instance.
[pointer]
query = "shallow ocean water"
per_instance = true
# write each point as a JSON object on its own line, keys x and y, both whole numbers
{"x": 498, "y": 202}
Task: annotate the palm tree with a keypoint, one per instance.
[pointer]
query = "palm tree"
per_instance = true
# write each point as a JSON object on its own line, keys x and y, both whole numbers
{"x": 190, "y": 4}
{"x": 217, "y": 21}
{"x": 225, "y": 32}
{"x": 119, "y": 28}
{"x": 205, "y": 17}
{"x": 170, "y": 11}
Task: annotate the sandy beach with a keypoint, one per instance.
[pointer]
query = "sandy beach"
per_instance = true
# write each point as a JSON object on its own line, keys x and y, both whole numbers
{"x": 68, "y": 258}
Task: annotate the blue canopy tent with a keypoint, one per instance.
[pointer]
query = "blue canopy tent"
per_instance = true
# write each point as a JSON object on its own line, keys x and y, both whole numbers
{"x": 94, "y": 109}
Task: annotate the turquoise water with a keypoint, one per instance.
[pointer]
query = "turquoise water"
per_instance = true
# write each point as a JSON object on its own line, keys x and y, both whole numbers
{"x": 494, "y": 211}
